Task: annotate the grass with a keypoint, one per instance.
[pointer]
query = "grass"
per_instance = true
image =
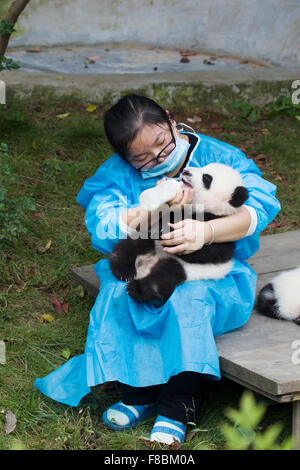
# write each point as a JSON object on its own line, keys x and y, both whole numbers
{"x": 51, "y": 158}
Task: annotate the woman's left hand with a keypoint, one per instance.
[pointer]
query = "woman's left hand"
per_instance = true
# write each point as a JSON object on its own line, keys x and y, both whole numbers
{"x": 187, "y": 236}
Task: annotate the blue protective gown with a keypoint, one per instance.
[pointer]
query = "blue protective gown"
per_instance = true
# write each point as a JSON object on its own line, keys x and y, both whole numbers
{"x": 137, "y": 343}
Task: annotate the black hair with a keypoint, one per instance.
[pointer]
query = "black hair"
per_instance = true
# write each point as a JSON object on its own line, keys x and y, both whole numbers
{"x": 123, "y": 121}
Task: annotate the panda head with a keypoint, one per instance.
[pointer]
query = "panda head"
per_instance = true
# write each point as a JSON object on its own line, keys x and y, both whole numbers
{"x": 218, "y": 187}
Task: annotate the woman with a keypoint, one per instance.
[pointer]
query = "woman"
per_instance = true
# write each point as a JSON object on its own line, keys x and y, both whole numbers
{"x": 161, "y": 354}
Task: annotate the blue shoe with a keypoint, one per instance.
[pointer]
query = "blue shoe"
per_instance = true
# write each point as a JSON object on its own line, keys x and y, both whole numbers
{"x": 166, "y": 431}
{"x": 120, "y": 417}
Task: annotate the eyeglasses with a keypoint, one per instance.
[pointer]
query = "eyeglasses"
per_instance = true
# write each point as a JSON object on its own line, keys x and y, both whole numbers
{"x": 165, "y": 152}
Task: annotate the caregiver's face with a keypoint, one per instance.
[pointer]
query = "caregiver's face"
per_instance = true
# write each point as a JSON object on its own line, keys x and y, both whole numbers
{"x": 152, "y": 145}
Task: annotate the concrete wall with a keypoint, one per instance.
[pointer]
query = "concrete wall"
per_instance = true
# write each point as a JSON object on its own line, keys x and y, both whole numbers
{"x": 266, "y": 30}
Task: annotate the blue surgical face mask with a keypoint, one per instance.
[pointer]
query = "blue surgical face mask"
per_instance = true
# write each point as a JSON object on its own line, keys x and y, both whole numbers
{"x": 170, "y": 162}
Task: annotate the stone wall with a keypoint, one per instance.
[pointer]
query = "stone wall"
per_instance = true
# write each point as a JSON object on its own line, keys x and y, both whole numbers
{"x": 266, "y": 30}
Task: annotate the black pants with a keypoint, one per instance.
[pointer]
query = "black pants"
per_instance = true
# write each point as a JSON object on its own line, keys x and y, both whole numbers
{"x": 179, "y": 399}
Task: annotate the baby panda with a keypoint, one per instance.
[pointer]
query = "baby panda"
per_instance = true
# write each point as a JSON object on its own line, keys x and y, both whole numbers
{"x": 152, "y": 273}
{"x": 280, "y": 298}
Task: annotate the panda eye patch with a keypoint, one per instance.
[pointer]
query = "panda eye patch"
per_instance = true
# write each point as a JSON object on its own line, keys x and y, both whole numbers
{"x": 207, "y": 179}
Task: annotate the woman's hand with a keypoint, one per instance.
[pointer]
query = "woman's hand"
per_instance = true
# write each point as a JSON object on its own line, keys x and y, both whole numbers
{"x": 182, "y": 197}
{"x": 188, "y": 236}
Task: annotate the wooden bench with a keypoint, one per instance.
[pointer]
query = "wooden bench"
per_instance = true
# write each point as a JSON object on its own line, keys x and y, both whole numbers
{"x": 259, "y": 355}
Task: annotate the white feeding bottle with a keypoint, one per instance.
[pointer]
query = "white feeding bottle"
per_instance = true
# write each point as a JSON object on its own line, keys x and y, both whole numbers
{"x": 152, "y": 198}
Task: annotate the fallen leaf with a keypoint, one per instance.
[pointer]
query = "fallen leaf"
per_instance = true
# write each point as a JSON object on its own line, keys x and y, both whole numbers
{"x": 11, "y": 422}
{"x": 65, "y": 307}
{"x": 66, "y": 353}
{"x": 175, "y": 445}
{"x": 195, "y": 119}
{"x": 297, "y": 117}
{"x": 91, "y": 108}
{"x": 190, "y": 436}
{"x": 40, "y": 116}
{"x": 17, "y": 280}
{"x": 22, "y": 287}
{"x": 215, "y": 127}
{"x": 48, "y": 245}
{"x": 17, "y": 445}
{"x": 265, "y": 131}
{"x": 59, "y": 77}
{"x": 79, "y": 290}
{"x": 34, "y": 49}
{"x": 46, "y": 317}
{"x": 37, "y": 215}
{"x": 274, "y": 225}
{"x": 36, "y": 182}
{"x": 34, "y": 144}
{"x": 260, "y": 158}
{"x": 187, "y": 53}
{"x": 94, "y": 57}
{"x": 56, "y": 305}
{"x": 63, "y": 116}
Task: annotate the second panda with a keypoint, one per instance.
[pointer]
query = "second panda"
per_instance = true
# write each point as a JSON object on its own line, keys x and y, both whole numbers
{"x": 152, "y": 273}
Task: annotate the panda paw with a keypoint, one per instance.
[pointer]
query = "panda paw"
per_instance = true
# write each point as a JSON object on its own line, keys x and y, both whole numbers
{"x": 122, "y": 270}
{"x": 141, "y": 291}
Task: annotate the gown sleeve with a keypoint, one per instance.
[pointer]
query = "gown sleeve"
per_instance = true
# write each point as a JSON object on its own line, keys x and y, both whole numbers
{"x": 104, "y": 196}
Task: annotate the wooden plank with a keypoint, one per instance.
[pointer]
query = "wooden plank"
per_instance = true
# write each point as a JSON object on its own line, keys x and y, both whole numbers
{"x": 278, "y": 243}
{"x": 277, "y": 398}
{"x": 275, "y": 264}
{"x": 277, "y": 253}
{"x": 86, "y": 276}
{"x": 261, "y": 353}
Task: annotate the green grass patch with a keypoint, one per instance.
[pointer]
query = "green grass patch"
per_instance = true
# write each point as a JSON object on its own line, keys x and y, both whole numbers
{"x": 51, "y": 157}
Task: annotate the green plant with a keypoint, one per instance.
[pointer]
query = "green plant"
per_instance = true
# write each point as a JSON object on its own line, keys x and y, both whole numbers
{"x": 247, "y": 111}
{"x": 283, "y": 105}
{"x": 242, "y": 433}
{"x": 7, "y": 28}
{"x": 13, "y": 211}
{"x": 8, "y": 64}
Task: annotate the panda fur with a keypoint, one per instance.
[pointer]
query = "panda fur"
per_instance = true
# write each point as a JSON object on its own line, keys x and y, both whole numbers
{"x": 152, "y": 273}
{"x": 280, "y": 298}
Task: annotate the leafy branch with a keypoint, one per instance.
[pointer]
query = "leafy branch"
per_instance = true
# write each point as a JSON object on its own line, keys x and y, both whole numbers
{"x": 242, "y": 433}
{"x": 6, "y": 29}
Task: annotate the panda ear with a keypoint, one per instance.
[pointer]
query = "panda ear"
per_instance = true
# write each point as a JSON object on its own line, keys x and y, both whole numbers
{"x": 239, "y": 196}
